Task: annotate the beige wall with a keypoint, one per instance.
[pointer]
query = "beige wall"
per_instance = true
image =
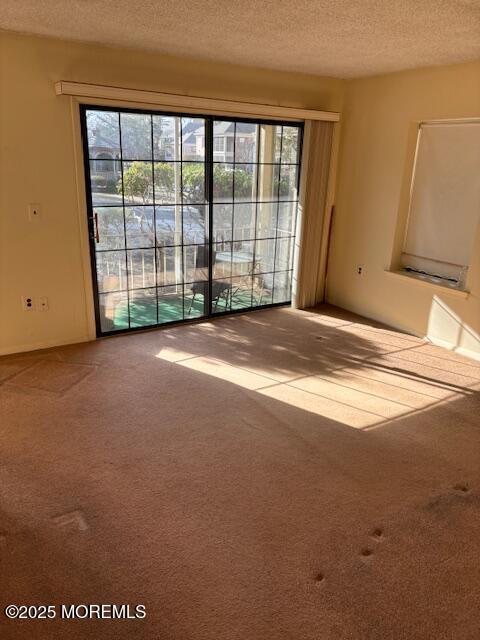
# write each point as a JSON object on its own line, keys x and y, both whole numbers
{"x": 37, "y": 164}
{"x": 380, "y": 119}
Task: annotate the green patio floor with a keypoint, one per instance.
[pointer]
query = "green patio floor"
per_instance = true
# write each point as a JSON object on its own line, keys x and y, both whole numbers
{"x": 143, "y": 312}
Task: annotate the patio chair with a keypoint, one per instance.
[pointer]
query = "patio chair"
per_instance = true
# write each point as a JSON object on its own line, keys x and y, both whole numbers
{"x": 221, "y": 289}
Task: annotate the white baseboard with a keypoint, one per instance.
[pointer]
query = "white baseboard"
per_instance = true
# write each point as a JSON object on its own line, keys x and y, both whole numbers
{"x": 36, "y": 346}
{"x": 475, "y": 355}
{"x": 469, "y": 353}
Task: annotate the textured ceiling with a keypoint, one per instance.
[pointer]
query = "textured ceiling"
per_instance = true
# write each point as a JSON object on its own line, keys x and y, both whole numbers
{"x": 328, "y": 37}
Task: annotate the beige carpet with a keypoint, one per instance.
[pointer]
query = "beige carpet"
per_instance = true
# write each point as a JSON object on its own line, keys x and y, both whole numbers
{"x": 275, "y": 475}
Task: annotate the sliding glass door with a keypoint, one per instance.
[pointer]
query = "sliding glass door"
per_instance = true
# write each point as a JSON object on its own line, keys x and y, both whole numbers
{"x": 189, "y": 216}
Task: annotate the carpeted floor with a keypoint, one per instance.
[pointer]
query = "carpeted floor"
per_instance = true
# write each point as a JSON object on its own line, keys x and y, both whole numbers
{"x": 270, "y": 476}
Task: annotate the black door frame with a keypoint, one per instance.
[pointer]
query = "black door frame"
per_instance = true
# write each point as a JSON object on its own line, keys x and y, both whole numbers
{"x": 209, "y": 163}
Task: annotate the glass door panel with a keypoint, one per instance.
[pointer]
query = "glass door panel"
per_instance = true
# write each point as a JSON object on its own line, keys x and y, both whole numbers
{"x": 148, "y": 202}
{"x": 255, "y": 197}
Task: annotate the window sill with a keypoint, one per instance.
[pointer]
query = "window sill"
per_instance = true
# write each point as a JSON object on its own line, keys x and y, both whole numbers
{"x": 429, "y": 282}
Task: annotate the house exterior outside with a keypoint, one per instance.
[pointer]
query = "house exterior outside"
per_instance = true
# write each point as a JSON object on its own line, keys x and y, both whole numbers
{"x": 106, "y": 152}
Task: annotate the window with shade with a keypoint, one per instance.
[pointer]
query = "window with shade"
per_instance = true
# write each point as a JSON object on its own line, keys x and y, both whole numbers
{"x": 444, "y": 210}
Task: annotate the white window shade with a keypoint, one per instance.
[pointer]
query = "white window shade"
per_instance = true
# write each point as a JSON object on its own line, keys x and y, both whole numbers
{"x": 445, "y": 200}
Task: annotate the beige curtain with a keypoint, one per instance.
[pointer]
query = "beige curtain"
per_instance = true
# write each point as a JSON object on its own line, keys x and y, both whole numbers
{"x": 313, "y": 219}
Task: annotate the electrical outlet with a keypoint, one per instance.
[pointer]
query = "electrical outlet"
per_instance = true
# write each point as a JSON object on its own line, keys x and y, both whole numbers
{"x": 27, "y": 303}
{"x": 360, "y": 270}
{"x": 42, "y": 304}
{"x": 34, "y": 211}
